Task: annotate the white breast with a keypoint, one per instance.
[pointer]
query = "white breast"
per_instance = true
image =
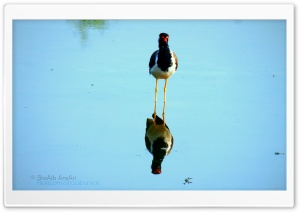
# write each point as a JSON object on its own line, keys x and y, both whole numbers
{"x": 158, "y": 73}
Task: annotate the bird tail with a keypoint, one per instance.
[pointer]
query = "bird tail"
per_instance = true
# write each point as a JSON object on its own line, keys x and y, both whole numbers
{"x": 149, "y": 122}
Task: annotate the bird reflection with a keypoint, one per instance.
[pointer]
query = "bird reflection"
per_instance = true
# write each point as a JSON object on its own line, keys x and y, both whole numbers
{"x": 158, "y": 140}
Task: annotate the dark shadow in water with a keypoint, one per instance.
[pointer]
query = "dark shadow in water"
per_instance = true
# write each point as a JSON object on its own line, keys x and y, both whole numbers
{"x": 84, "y": 25}
{"x": 159, "y": 141}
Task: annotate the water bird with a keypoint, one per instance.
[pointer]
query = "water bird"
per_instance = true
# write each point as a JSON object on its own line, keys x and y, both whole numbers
{"x": 278, "y": 153}
{"x": 163, "y": 64}
{"x": 159, "y": 142}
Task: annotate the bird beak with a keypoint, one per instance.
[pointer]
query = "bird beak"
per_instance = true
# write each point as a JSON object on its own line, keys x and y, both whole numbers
{"x": 156, "y": 171}
{"x": 164, "y": 39}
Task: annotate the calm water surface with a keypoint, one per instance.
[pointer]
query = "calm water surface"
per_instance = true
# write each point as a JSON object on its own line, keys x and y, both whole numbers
{"x": 82, "y": 94}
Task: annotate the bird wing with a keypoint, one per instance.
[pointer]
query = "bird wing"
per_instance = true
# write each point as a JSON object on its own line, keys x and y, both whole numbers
{"x": 148, "y": 143}
{"x": 152, "y": 59}
{"x": 176, "y": 60}
{"x": 158, "y": 120}
{"x": 149, "y": 122}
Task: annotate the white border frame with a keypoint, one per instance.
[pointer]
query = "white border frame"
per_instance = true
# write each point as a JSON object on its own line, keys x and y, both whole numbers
{"x": 17, "y": 198}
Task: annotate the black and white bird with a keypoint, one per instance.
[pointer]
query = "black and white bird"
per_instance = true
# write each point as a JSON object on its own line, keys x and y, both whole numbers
{"x": 159, "y": 142}
{"x": 163, "y": 63}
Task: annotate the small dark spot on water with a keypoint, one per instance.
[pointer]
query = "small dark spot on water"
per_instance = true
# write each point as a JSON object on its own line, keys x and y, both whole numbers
{"x": 273, "y": 75}
{"x": 279, "y": 153}
{"x": 92, "y": 84}
{"x": 51, "y": 69}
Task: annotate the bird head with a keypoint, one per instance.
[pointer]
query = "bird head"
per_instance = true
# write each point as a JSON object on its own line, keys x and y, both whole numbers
{"x": 156, "y": 166}
{"x": 163, "y": 39}
{"x": 159, "y": 152}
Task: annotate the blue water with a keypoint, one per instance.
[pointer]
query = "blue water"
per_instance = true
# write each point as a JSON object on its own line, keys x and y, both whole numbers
{"x": 82, "y": 94}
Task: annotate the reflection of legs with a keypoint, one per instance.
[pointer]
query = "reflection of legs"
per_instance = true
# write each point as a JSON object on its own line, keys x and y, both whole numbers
{"x": 163, "y": 115}
{"x": 165, "y": 99}
{"x": 155, "y": 99}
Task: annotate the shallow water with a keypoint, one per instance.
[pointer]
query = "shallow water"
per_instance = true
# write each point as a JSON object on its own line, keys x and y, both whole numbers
{"x": 82, "y": 93}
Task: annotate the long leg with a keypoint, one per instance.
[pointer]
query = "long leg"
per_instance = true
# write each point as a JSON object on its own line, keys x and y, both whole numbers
{"x": 155, "y": 99}
{"x": 165, "y": 90}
